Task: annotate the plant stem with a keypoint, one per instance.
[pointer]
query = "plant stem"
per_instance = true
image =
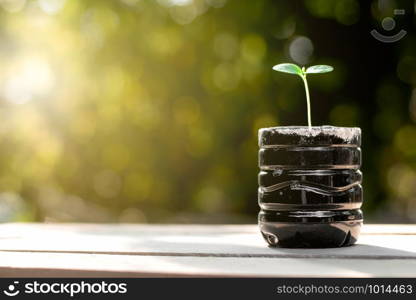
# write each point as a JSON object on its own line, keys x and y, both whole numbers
{"x": 308, "y": 101}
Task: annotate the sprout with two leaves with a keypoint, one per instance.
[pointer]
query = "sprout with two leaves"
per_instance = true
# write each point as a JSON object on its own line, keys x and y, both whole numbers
{"x": 294, "y": 69}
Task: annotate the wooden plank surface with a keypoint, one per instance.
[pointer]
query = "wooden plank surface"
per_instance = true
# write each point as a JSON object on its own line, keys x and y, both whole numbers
{"x": 195, "y": 250}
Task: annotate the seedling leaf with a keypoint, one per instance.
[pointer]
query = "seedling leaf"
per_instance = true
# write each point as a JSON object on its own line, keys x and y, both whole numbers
{"x": 288, "y": 68}
{"x": 319, "y": 69}
{"x": 302, "y": 72}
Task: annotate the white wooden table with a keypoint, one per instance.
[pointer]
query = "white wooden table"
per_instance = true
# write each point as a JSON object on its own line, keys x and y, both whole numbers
{"x": 56, "y": 250}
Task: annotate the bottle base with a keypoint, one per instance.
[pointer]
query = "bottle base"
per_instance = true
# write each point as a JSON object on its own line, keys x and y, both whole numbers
{"x": 311, "y": 235}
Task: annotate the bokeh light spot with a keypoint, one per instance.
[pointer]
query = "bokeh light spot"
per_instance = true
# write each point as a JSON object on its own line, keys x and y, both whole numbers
{"x": 28, "y": 79}
{"x": 51, "y": 6}
{"x": 210, "y": 199}
{"x": 253, "y": 48}
{"x": 225, "y": 45}
{"x": 301, "y": 50}
{"x": 226, "y": 76}
{"x": 175, "y": 2}
{"x": 183, "y": 14}
{"x": 401, "y": 179}
{"x": 405, "y": 140}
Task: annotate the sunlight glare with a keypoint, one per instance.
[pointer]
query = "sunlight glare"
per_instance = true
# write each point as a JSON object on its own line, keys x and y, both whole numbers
{"x": 27, "y": 80}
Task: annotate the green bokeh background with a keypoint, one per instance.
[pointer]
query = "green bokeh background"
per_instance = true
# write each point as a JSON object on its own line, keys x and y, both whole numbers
{"x": 148, "y": 111}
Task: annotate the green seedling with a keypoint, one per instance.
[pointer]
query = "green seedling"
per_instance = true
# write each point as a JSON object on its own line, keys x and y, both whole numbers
{"x": 295, "y": 69}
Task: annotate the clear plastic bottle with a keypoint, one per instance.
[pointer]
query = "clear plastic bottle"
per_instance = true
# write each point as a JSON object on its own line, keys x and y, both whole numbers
{"x": 310, "y": 191}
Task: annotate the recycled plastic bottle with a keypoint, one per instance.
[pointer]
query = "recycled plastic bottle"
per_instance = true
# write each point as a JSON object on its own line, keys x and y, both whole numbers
{"x": 310, "y": 191}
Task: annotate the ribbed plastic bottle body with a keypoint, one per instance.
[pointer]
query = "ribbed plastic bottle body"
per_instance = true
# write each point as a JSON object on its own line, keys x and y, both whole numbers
{"x": 310, "y": 190}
